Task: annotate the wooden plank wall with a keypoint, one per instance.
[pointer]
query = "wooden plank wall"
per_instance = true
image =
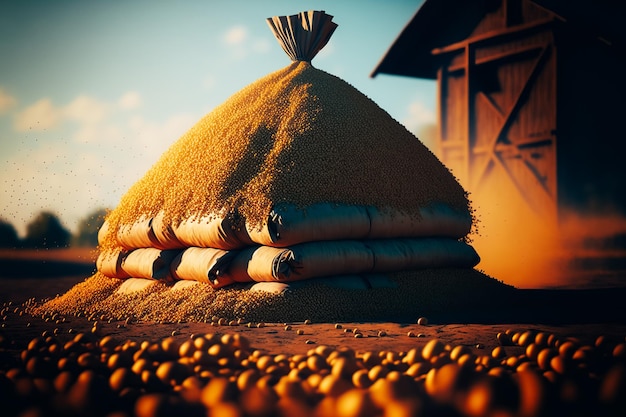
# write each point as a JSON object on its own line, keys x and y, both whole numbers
{"x": 483, "y": 120}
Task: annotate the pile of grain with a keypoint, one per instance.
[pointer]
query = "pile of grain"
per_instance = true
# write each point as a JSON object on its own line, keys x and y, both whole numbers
{"x": 298, "y": 135}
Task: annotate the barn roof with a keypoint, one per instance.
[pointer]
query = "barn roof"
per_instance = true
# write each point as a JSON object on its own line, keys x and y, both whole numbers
{"x": 442, "y": 22}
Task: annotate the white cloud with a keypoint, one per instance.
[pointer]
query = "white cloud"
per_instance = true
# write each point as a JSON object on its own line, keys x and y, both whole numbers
{"x": 239, "y": 43}
{"x": 92, "y": 116}
{"x": 85, "y": 109}
{"x": 39, "y": 116}
{"x": 418, "y": 116}
{"x": 130, "y": 100}
{"x": 43, "y": 114}
{"x": 7, "y": 101}
{"x": 98, "y": 133}
{"x": 236, "y": 35}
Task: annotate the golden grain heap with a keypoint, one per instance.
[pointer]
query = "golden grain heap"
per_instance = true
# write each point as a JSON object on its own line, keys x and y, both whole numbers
{"x": 298, "y": 135}
{"x": 295, "y": 177}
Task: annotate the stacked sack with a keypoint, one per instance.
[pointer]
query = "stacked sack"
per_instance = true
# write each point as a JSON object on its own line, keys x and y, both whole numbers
{"x": 297, "y": 176}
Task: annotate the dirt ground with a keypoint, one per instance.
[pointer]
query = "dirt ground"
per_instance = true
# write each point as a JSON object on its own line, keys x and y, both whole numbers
{"x": 19, "y": 284}
{"x": 586, "y": 318}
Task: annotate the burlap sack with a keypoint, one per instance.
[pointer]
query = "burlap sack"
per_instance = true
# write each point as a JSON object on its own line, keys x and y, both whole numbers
{"x": 348, "y": 257}
{"x": 149, "y": 263}
{"x": 203, "y": 265}
{"x": 109, "y": 263}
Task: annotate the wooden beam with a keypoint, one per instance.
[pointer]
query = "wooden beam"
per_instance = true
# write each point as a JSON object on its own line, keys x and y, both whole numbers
{"x": 509, "y": 115}
{"x": 518, "y": 144}
{"x": 441, "y": 111}
{"x": 533, "y": 74}
{"x": 491, "y": 104}
{"x": 505, "y": 13}
{"x": 535, "y": 141}
{"x": 510, "y": 53}
{"x": 542, "y": 180}
{"x": 498, "y": 161}
{"x": 494, "y": 35}
{"x": 469, "y": 140}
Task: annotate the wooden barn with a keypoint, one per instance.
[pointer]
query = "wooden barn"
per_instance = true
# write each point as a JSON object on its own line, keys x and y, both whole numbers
{"x": 531, "y": 100}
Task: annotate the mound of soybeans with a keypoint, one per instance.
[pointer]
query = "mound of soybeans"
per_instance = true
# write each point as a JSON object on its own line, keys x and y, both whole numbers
{"x": 298, "y": 137}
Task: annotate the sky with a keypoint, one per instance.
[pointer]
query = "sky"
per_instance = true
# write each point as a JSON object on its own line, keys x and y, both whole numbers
{"x": 93, "y": 92}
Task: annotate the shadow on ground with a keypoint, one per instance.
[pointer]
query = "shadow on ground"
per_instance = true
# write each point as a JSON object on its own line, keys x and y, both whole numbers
{"x": 44, "y": 268}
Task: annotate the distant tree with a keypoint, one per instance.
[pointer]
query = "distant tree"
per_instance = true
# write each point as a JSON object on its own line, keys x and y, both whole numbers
{"x": 46, "y": 231}
{"x": 8, "y": 235}
{"x": 87, "y": 234}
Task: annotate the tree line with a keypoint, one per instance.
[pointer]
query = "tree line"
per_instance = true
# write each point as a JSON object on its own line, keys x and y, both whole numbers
{"x": 47, "y": 231}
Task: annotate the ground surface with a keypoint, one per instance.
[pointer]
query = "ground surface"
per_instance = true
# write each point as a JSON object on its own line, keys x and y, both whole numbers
{"x": 45, "y": 273}
{"x": 81, "y": 385}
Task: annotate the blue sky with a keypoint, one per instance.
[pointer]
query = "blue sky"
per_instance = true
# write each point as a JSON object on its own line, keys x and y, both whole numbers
{"x": 93, "y": 92}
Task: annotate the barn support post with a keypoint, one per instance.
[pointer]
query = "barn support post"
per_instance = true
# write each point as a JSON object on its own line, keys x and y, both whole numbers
{"x": 470, "y": 122}
{"x": 441, "y": 110}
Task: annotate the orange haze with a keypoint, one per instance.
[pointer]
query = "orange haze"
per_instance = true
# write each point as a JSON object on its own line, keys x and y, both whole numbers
{"x": 526, "y": 250}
